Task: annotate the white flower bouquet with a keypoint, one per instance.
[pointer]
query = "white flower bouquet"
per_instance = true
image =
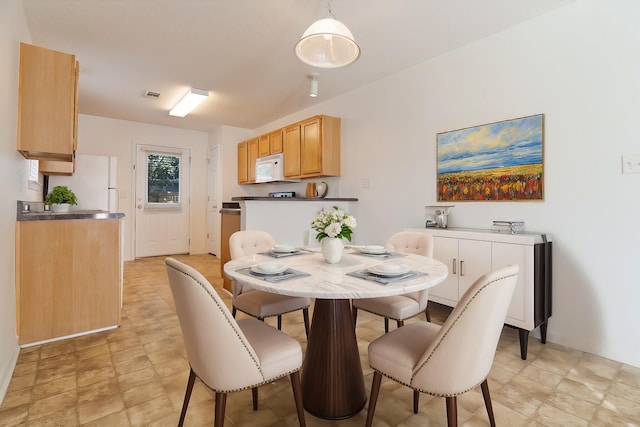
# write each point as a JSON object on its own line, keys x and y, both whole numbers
{"x": 334, "y": 223}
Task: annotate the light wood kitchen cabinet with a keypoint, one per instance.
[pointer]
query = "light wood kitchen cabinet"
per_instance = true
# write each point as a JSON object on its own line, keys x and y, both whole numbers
{"x": 243, "y": 159}
{"x": 275, "y": 141}
{"x": 47, "y": 104}
{"x": 311, "y": 148}
{"x": 264, "y": 148}
{"x": 248, "y": 152}
{"x": 471, "y": 253}
{"x": 254, "y": 153}
{"x": 68, "y": 277}
{"x": 51, "y": 167}
{"x": 291, "y": 149}
{"x": 319, "y": 147}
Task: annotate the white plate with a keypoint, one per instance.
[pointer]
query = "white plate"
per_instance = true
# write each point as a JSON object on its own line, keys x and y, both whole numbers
{"x": 284, "y": 249}
{"x": 268, "y": 268}
{"x": 373, "y": 249}
{"x": 389, "y": 269}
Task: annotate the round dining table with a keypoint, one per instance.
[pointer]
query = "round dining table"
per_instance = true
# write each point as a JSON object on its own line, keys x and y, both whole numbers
{"x": 332, "y": 378}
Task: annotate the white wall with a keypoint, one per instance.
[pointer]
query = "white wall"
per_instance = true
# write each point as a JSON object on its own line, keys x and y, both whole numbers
{"x": 111, "y": 137}
{"x": 13, "y": 174}
{"x": 580, "y": 66}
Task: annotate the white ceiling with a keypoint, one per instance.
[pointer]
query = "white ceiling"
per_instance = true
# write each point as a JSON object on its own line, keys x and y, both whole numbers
{"x": 242, "y": 50}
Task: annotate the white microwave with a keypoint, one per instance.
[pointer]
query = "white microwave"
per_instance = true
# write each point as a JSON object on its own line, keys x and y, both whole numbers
{"x": 271, "y": 169}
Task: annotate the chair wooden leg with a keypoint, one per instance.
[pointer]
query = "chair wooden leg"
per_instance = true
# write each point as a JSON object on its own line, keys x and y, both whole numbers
{"x": 386, "y": 325}
{"x": 416, "y": 401}
{"x": 399, "y": 323}
{"x": 280, "y": 322}
{"x": 452, "y": 411}
{"x": 254, "y": 398}
{"x": 187, "y": 396}
{"x": 305, "y": 317}
{"x": 487, "y": 402}
{"x": 233, "y": 312}
{"x": 221, "y": 403}
{"x": 427, "y": 314}
{"x": 297, "y": 395}
{"x": 373, "y": 399}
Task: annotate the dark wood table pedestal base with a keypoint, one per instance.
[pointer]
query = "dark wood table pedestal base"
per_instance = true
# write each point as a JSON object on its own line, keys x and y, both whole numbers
{"x": 332, "y": 379}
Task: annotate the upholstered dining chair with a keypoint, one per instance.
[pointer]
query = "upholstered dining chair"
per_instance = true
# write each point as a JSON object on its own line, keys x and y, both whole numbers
{"x": 400, "y": 307}
{"x": 256, "y": 303}
{"x": 228, "y": 355}
{"x": 451, "y": 359}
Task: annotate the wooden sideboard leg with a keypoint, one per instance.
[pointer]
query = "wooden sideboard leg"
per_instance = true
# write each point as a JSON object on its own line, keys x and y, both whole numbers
{"x": 524, "y": 342}
{"x": 543, "y": 333}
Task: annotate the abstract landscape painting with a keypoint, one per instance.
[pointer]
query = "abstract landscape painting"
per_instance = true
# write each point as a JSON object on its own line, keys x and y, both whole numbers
{"x": 495, "y": 161}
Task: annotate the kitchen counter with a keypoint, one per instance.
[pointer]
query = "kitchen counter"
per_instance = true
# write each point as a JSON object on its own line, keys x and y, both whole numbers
{"x": 36, "y": 212}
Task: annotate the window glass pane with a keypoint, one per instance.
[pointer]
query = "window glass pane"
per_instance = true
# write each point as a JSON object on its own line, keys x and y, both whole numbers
{"x": 163, "y": 178}
{"x": 33, "y": 170}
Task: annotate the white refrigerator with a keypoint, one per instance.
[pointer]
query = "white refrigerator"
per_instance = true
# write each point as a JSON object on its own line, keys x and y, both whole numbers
{"x": 95, "y": 183}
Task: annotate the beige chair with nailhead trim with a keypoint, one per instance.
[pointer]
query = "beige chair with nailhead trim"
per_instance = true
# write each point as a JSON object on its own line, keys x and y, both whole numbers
{"x": 228, "y": 355}
{"x": 260, "y": 304}
{"x": 400, "y": 307}
{"x": 451, "y": 359}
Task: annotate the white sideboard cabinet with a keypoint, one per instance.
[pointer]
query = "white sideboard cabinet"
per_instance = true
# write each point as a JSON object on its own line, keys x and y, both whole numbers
{"x": 470, "y": 253}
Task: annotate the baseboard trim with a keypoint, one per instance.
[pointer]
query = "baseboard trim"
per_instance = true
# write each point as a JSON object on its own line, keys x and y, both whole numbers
{"x": 7, "y": 372}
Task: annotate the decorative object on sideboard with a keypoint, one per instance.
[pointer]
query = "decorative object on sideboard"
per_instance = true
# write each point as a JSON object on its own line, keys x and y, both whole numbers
{"x": 495, "y": 161}
{"x": 437, "y": 216}
{"x": 513, "y": 227}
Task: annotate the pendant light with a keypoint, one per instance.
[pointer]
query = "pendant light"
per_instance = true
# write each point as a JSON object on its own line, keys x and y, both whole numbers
{"x": 327, "y": 43}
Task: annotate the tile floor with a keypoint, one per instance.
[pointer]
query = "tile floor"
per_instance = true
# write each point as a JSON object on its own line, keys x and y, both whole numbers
{"x": 136, "y": 375}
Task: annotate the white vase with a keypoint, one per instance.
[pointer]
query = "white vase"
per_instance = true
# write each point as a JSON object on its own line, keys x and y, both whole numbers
{"x": 62, "y": 207}
{"x": 331, "y": 248}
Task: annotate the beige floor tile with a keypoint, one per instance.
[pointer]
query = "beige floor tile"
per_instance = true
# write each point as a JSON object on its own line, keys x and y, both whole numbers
{"x": 137, "y": 374}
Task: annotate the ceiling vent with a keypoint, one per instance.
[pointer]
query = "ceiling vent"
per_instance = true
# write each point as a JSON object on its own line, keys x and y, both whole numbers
{"x": 152, "y": 94}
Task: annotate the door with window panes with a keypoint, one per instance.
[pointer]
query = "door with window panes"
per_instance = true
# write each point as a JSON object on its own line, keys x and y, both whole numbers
{"x": 161, "y": 201}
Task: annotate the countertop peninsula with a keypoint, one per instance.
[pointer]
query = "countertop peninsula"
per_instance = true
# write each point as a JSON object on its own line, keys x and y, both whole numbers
{"x": 36, "y": 212}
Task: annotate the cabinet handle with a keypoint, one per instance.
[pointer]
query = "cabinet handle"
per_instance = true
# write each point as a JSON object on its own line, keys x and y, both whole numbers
{"x": 461, "y": 268}
{"x": 454, "y": 265}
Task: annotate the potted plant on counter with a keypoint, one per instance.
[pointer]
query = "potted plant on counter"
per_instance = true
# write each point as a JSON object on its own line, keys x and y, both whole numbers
{"x": 61, "y": 198}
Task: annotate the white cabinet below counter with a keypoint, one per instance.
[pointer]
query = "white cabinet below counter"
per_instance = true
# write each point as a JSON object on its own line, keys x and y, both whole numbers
{"x": 470, "y": 253}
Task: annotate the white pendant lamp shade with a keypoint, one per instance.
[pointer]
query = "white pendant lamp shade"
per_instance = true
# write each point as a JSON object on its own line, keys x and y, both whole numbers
{"x": 327, "y": 43}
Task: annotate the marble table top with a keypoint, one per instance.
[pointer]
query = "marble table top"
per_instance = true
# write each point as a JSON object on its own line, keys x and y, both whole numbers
{"x": 331, "y": 281}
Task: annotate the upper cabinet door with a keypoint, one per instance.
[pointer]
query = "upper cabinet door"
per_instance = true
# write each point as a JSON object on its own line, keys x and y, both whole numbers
{"x": 291, "y": 146}
{"x": 243, "y": 159}
{"x": 47, "y": 99}
{"x": 263, "y": 146}
{"x": 311, "y": 148}
{"x": 275, "y": 141}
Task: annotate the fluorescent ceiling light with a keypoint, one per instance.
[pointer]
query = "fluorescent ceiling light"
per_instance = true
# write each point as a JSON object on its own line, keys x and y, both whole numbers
{"x": 190, "y": 101}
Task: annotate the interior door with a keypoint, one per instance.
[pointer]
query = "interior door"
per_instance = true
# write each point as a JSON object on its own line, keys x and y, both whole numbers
{"x": 214, "y": 203}
{"x": 162, "y": 200}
